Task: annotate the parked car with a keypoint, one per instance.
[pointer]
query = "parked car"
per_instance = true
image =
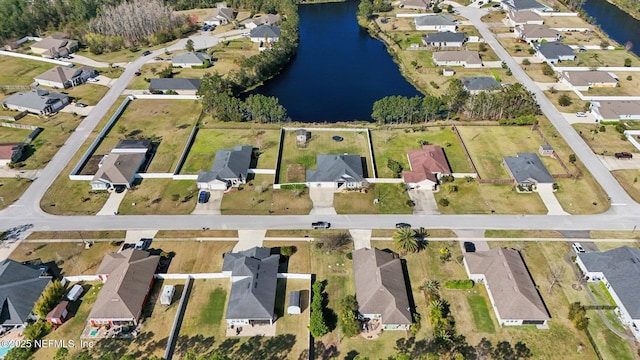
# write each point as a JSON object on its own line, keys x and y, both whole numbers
{"x": 577, "y": 247}
{"x": 320, "y": 225}
{"x": 623, "y": 155}
{"x": 146, "y": 52}
{"x": 582, "y": 49}
{"x": 81, "y": 105}
{"x": 203, "y": 197}
{"x": 92, "y": 80}
{"x": 137, "y": 73}
{"x": 158, "y": 58}
{"x": 143, "y": 244}
{"x": 402, "y": 225}
{"x": 581, "y": 114}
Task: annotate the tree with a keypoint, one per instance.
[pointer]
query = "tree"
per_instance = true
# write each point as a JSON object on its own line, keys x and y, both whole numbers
{"x": 61, "y": 354}
{"x": 37, "y": 330}
{"x": 526, "y": 61}
{"x": 522, "y": 351}
{"x": 395, "y": 167}
{"x": 18, "y": 353}
{"x": 482, "y": 47}
{"x": 430, "y": 289}
{"x": 317, "y": 324}
{"x": 503, "y": 350}
{"x": 547, "y": 69}
{"x": 564, "y": 100}
{"x": 555, "y": 277}
{"x": 365, "y": 9}
{"x": 627, "y": 62}
{"x": 48, "y": 299}
{"x": 347, "y": 316}
{"x": 445, "y": 254}
{"x": 189, "y": 46}
{"x": 334, "y": 242}
{"x": 572, "y": 158}
{"x": 484, "y": 349}
{"x": 404, "y": 240}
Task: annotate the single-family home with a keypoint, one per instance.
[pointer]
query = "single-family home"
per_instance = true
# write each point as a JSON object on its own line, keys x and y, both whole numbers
{"x": 427, "y": 167}
{"x": 55, "y": 46}
{"x": 464, "y": 58}
{"x": 615, "y": 110}
{"x": 58, "y": 314}
{"x": 7, "y": 152}
{"x": 477, "y": 84}
{"x": 62, "y": 77}
{"x": 523, "y": 5}
{"x": 20, "y": 288}
{"x": 618, "y": 269}
{"x": 512, "y": 292}
{"x": 254, "y": 276}
{"x": 36, "y": 101}
{"x": 121, "y": 165}
{"x": 128, "y": 277}
{"x": 525, "y": 17}
{"x": 180, "y": 86}
{"x": 381, "y": 289}
{"x": 422, "y": 5}
{"x": 337, "y": 171}
{"x": 190, "y": 59}
{"x": 220, "y": 16}
{"x": 527, "y": 170}
{"x": 445, "y": 40}
{"x": 584, "y": 80}
{"x": 554, "y": 52}
{"x": 229, "y": 169}
{"x": 533, "y": 33}
{"x": 268, "y": 19}
{"x": 437, "y": 22}
{"x": 265, "y": 34}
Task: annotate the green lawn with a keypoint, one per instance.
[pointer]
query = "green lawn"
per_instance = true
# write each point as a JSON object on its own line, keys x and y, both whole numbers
{"x": 392, "y": 199}
{"x": 601, "y": 58}
{"x": 57, "y": 130}
{"x": 259, "y": 198}
{"x": 481, "y": 315}
{"x": 629, "y": 181}
{"x": 160, "y": 196}
{"x": 17, "y": 71}
{"x": 9, "y": 135}
{"x": 88, "y": 93}
{"x": 212, "y": 311}
{"x": 606, "y": 142}
{"x": 610, "y": 345}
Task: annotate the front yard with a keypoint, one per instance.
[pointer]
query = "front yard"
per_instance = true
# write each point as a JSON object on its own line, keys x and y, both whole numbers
{"x": 628, "y": 179}
{"x": 606, "y": 142}
{"x": 258, "y": 197}
{"x": 11, "y": 189}
{"x": 160, "y": 196}
{"x": 391, "y": 199}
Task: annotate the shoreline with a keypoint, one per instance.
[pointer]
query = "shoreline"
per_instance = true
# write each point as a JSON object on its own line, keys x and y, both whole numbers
{"x": 625, "y": 9}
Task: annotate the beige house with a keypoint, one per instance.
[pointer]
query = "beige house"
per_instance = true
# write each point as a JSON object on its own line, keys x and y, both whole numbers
{"x": 121, "y": 165}
{"x": 519, "y": 18}
{"x": 615, "y": 110}
{"x": 55, "y": 46}
{"x": 584, "y": 80}
{"x": 62, "y": 77}
{"x": 220, "y": 16}
{"x": 464, "y": 58}
{"x": 422, "y": 5}
{"x": 536, "y": 33}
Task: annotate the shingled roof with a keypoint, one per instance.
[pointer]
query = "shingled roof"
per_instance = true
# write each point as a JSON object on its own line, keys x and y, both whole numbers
{"x": 229, "y": 164}
{"x": 337, "y": 168}
{"x": 425, "y": 163}
{"x": 527, "y": 168}
{"x": 20, "y": 288}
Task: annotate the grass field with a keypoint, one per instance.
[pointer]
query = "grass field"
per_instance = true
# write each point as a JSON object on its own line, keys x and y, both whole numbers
{"x": 17, "y": 71}
{"x": 321, "y": 142}
{"x": 627, "y": 178}
{"x": 160, "y": 196}
{"x": 187, "y": 256}
{"x": 434, "y": 233}
{"x": 196, "y": 233}
{"x": 80, "y": 235}
{"x": 575, "y": 106}
{"x": 481, "y": 315}
{"x": 392, "y": 199}
{"x": 300, "y": 261}
{"x": 208, "y": 141}
{"x": 610, "y": 140}
{"x": 522, "y": 234}
{"x": 11, "y": 189}
{"x": 258, "y": 197}
{"x": 602, "y": 58}
{"x": 393, "y": 144}
{"x": 609, "y": 344}
{"x": 88, "y": 93}
{"x": 534, "y": 70}
{"x": 515, "y": 46}
{"x": 9, "y": 135}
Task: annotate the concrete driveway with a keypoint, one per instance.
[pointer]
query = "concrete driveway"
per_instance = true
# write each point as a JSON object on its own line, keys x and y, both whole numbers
{"x": 322, "y": 201}
{"x": 248, "y": 239}
{"x": 551, "y": 202}
{"x": 113, "y": 204}
{"x": 361, "y": 238}
{"x": 425, "y": 202}
{"x": 211, "y": 207}
{"x": 72, "y": 109}
{"x": 620, "y": 164}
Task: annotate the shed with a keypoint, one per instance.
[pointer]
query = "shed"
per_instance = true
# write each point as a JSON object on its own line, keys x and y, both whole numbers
{"x": 294, "y": 303}
{"x": 546, "y": 150}
{"x": 302, "y": 136}
{"x": 59, "y": 314}
{"x": 167, "y": 294}
{"x": 448, "y": 72}
{"x": 75, "y": 292}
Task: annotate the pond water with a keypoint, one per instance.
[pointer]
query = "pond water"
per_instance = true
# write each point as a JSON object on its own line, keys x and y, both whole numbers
{"x": 619, "y": 25}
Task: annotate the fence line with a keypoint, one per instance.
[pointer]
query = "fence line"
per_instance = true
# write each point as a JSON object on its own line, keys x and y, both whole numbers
{"x": 36, "y": 58}
{"x": 82, "y": 278}
{"x": 466, "y": 151}
{"x": 175, "y": 328}
{"x": 18, "y": 126}
{"x": 373, "y": 161}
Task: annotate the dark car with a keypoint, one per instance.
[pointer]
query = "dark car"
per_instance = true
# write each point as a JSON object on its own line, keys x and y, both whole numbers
{"x": 203, "y": 197}
{"x": 137, "y": 73}
{"x": 403, "y": 226}
{"x": 320, "y": 225}
{"x": 623, "y": 155}
{"x": 146, "y": 52}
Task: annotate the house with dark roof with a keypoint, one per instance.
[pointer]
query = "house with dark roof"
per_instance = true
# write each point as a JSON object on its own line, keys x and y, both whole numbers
{"x": 527, "y": 170}
{"x": 128, "y": 278}
{"x": 381, "y": 290}
{"x": 427, "y": 167}
{"x": 464, "y": 58}
{"x": 513, "y": 294}
{"x": 180, "y": 86}
{"x": 7, "y": 152}
{"x": 519, "y": 18}
{"x": 120, "y": 167}
{"x": 435, "y": 22}
{"x": 36, "y": 101}
{"x": 20, "y": 288}
{"x": 445, "y": 40}
{"x": 190, "y": 59}
{"x": 523, "y": 5}
{"x": 533, "y": 33}
{"x": 63, "y": 77}
{"x": 422, "y": 5}
{"x": 618, "y": 269}
{"x": 267, "y": 19}
{"x": 337, "y": 171}
{"x": 229, "y": 169}
{"x": 554, "y": 52}
{"x": 220, "y": 15}
{"x": 615, "y": 110}
{"x": 265, "y": 34}
{"x": 584, "y": 80}
{"x": 477, "y": 84}
{"x": 58, "y": 314}
{"x": 254, "y": 276}
{"x": 55, "y": 46}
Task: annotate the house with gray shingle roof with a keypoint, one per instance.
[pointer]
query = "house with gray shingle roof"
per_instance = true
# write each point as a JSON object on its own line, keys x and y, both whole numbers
{"x": 527, "y": 169}
{"x": 517, "y": 18}
{"x": 478, "y": 84}
{"x": 619, "y": 270}
{"x": 254, "y": 277}
{"x": 229, "y": 169}
{"x": 20, "y": 288}
{"x": 338, "y": 172}
{"x": 190, "y": 59}
{"x": 437, "y": 22}
{"x": 536, "y": 33}
{"x": 55, "y": 46}
{"x": 522, "y": 5}
{"x": 36, "y": 101}
{"x": 445, "y": 39}
{"x": 511, "y": 289}
{"x": 63, "y": 77}
{"x": 553, "y": 52}
{"x": 180, "y": 86}
{"x": 220, "y": 16}
{"x": 381, "y": 290}
{"x": 584, "y": 80}
{"x": 120, "y": 167}
{"x": 265, "y": 33}
{"x": 267, "y": 19}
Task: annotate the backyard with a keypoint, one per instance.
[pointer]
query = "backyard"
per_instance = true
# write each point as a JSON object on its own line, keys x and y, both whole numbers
{"x": 189, "y": 257}
{"x": 17, "y": 71}
{"x": 391, "y": 199}
{"x": 89, "y": 94}
{"x": 604, "y": 58}
{"x": 11, "y": 189}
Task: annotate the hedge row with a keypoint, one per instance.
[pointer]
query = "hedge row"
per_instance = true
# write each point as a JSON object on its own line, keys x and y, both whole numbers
{"x": 459, "y": 284}
{"x": 292, "y": 186}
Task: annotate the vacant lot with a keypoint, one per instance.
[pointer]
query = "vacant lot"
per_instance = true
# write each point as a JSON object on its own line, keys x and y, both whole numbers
{"x": 11, "y": 189}
{"x": 534, "y": 70}
{"x": 258, "y": 197}
{"x": 628, "y": 85}
{"x": 488, "y": 145}
{"x": 160, "y": 196}
{"x": 166, "y": 122}
{"x": 9, "y": 135}
{"x": 87, "y": 93}
{"x": 392, "y": 199}
{"x": 393, "y": 145}
{"x": 606, "y": 142}
{"x": 603, "y": 58}
{"x": 16, "y": 71}
{"x": 208, "y": 141}
{"x": 515, "y": 46}
{"x": 321, "y": 142}
{"x": 627, "y": 178}
{"x": 187, "y": 256}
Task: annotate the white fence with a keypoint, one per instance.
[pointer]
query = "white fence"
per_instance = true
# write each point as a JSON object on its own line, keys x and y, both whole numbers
{"x": 411, "y": 15}
{"x": 384, "y": 181}
{"x": 167, "y": 97}
{"x": 82, "y": 278}
{"x": 36, "y": 58}
{"x": 464, "y": 175}
{"x": 80, "y": 177}
{"x": 630, "y": 136}
{"x": 194, "y": 276}
{"x": 294, "y": 276}
{"x": 555, "y": 14}
{"x": 28, "y": 38}
{"x": 155, "y": 175}
{"x": 185, "y": 177}
{"x": 262, "y": 171}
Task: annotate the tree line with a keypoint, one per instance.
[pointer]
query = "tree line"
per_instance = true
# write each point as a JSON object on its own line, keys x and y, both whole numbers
{"x": 513, "y": 102}
{"x": 258, "y": 108}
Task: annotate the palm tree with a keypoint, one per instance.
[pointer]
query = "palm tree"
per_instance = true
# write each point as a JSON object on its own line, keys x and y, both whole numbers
{"x": 405, "y": 241}
{"x": 430, "y": 289}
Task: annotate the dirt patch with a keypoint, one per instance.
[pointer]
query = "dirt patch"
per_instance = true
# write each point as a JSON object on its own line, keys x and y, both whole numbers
{"x": 296, "y": 173}
{"x": 91, "y": 167}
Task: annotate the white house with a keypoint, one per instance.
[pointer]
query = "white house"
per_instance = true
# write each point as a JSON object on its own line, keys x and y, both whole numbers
{"x": 437, "y": 22}
{"x": 584, "y": 80}
{"x": 615, "y": 110}
{"x": 36, "y": 101}
{"x": 121, "y": 165}
{"x": 220, "y": 15}
{"x": 445, "y": 40}
{"x": 337, "y": 172}
{"x": 190, "y": 59}
{"x": 265, "y": 34}
{"x": 554, "y": 52}
{"x": 536, "y": 33}
{"x": 62, "y": 77}
{"x": 464, "y": 58}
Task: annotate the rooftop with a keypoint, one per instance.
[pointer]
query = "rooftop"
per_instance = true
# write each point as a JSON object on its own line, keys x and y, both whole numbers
{"x": 424, "y": 163}
{"x": 337, "y": 168}
{"x": 480, "y": 83}
{"x": 527, "y": 168}
{"x": 438, "y": 19}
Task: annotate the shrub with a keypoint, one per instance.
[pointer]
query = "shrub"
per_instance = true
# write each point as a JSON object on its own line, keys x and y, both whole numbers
{"x": 287, "y": 250}
{"x": 564, "y": 100}
{"x": 526, "y": 62}
{"x": 434, "y": 84}
{"x": 627, "y": 62}
{"x": 532, "y": 51}
{"x": 395, "y": 166}
{"x": 572, "y": 158}
{"x": 547, "y": 69}
{"x": 629, "y": 78}
{"x": 604, "y": 44}
{"x": 293, "y": 186}
{"x": 459, "y": 284}
{"x": 603, "y": 128}
{"x": 317, "y": 323}
{"x": 443, "y": 202}
{"x": 620, "y": 128}
{"x": 205, "y": 65}
{"x": 520, "y": 120}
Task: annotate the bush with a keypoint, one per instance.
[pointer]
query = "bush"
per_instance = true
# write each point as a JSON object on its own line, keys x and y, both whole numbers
{"x": 293, "y": 186}
{"x": 287, "y": 250}
{"x": 564, "y": 100}
{"x": 459, "y": 284}
{"x": 207, "y": 64}
{"x": 604, "y": 44}
{"x": 520, "y": 120}
{"x": 443, "y": 202}
{"x": 434, "y": 84}
{"x": 627, "y": 62}
{"x": 526, "y": 62}
{"x": 395, "y": 166}
{"x": 547, "y": 69}
{"x": 629, "y": 78}
{"x": 317, "y": 323}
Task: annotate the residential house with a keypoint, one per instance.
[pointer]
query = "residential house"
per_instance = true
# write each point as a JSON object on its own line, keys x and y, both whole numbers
{"x": 62, "y": 77}
{"x": 36, "y": 101}
{"x": 381, "y": 289}
{"x": 254, "y": 276}
{"x": 422, "y": 5}
{"x": 437, "y": 22}
{"x": 20, "y": 288}
{"x": 512, "y": 292}
{"x": 584, "y": 80}
{"x": 121, "y": 165}
{"x": 618, "y": 269}
{"x": 615, "y": 110}
{"x": 525, "y": 17}
{"x": 190, "y": 59}
{"x": 220, "y": 16}
{"x": 55, "y": 46}
{"x": 445, "y": 40}
{"x": 533, "y": 33}
{"x": 265, "y": 34}
{"x": 554, "y": 52}
{"x": 527, "y": 170}
{"x": 268, "y": 19}
{"x": 477, "y": 84}
{"x": 180, "y": 86}
{"x": 523, "y": 5}
{"x": 58, "y": 314}
{"x": 464, "y": 58}
{"x": 7, "y": 152}
{"x": 338, "y": 172}
{"x": 229, "y": 169}
{"x": 427, "y": 167}
{"x": 128, "y": 277}
{"x": 545, "y": 150}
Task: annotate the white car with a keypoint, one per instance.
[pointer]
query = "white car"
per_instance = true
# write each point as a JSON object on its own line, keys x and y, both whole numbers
{"x": 581, "y": 114}
{"x": 577, "y": 247}
{"x": 92, "y": 80}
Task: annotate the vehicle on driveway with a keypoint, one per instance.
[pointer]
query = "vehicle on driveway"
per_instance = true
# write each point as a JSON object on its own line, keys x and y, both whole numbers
{"x": 403, "y": 226}
{"x": 143, "y": 244}
{"x": 623, "y": 155}
{"x": 81, "y": 105}
{"x": 581, "y": 114}
{"x": 92, "y": 80}
{"x": 577, "y": 247}
{"x": 321, "y": 225}
{"x": 137, "y": 73}
{"x": 146, "y": 52}
{"x": 203, "y": 197}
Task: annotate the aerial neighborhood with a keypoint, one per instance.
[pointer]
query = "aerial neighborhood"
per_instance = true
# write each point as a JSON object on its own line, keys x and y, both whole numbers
{"x": 319, "y": 180}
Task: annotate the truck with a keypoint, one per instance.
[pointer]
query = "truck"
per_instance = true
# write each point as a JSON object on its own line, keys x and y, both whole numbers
{"x": 623, "y": 155}
{"x": 320, "y": 225}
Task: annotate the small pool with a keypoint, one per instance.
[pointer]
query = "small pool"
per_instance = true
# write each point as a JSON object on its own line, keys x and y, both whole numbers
{"x": 337, "y": 138}
{"x": 4, "y": 350}
{"x": 94, "y": 332}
